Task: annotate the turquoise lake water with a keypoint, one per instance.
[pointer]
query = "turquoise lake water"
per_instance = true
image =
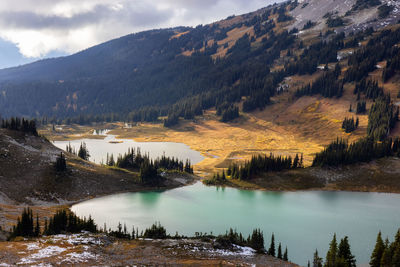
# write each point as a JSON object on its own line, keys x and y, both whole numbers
{"x": 302, "y": 221}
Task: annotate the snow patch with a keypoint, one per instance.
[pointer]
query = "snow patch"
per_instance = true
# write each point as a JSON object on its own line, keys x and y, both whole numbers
{"x": 79, "y": 257}
{"x": 42, "y": 254}
{"x": 32, "y": 246}
{"x": 242, "y": 251}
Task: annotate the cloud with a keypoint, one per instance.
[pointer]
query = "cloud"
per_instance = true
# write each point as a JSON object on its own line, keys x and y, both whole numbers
{"x": 38, "y": 27}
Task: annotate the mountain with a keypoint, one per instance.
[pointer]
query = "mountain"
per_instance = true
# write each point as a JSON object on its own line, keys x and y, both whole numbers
{"x": 141, "y": 76}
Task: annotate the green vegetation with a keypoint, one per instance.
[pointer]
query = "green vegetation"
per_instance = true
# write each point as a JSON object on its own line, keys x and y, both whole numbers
{"x": 340, "y": 152}
{"x": 382, "y": 118}
{"x": 384, "y": 11}
{"x": 349, "y": 125}
{"x": 334, "y": 22}
{"x": 380, "y": 47}
{"x": 361, "y": 107}
{"x": 257, "y": 165}
{"x": 386, "y": 253}
{"x": 83, "y": 152}
{"x": 61, "y": 222}
{"x": 156, "y": 231}
{"x": 61, "y": 164}
{"x": 364, "y": 4}
{"x": 25, "y": 225}
{"x": 22, "y": 125}
{"x": 309, "y": 25}
{"x": 327, "y": 85}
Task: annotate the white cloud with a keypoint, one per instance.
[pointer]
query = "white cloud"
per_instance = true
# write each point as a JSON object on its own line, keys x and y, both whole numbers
{"x": 38, "y": 27}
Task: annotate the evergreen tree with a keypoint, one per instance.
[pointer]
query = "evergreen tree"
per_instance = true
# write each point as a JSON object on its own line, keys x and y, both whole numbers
{"x": 285, "y": 255}
{"x": 387, "y": 255}
{"x": 317, "y": 262}
{"x": 279, "y": 251}
{"x": 344, "y": 253}
{"x": 37, "y": 226}
{"x": 331, "y": 255}
{"x": 83, "y": 152}
{"x": 61, "y": 163}
{"x": 271, "y": 250}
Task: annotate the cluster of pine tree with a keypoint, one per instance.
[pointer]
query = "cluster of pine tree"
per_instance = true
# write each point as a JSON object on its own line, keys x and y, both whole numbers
{"x": 386, "y": 253}
{"x": 349, "y": 125}
{"x": 361, "y": 107}
{"x": 18, "y": 124}
{"x": 68, "y": 222}
{"x": 364, "y": 4}
{"x": 228, "y": 112}
{"x": 370, "y": 88}
{"x": 149, "y": 169}
{"x": 340, "y": 152}
{"x": 380, "y": 47}
{"x": 392, "y": 65}
{"x": 260, "y": 164}
{"x": 327, "y": 85}
{"x": 61, "y": 222}
{"x": 255, "y": 240}
{"x": 25, "y": 225}
{"x": 156, "y": 231}
{"x": 61, "y": 164}
{"x": 83, "y": 151}
{"x": 338, "y": 255}
{"x": 272, "y": 251}
{"x": 322, "y": 52}
{"x": 382, "y": 118}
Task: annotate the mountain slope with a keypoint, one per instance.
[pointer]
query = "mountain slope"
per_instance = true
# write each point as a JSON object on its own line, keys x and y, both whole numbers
{"x": 27, "y": 173}
{"x": 198, "y": 66}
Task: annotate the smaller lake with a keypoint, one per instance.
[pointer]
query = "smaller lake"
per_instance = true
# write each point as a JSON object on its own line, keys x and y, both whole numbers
{"x": 98, "y": 148}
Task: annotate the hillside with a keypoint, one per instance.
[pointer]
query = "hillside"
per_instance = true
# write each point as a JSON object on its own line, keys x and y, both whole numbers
{"x": 27, "y": 174}
{"x": 139, "y": 76}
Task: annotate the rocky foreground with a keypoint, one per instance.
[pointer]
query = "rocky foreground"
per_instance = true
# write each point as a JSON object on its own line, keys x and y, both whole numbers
{"x": 93, "y": 250}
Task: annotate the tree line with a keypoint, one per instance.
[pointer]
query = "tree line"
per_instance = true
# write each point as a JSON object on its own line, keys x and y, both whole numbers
{"x": 18, "y": 124}
{"x": 256, "y": 165}
{"x": 66, "y": 222}
{"x": 339, "y": 152}
{"x": 338, "y": 255}
{"x": 61, "y": 222}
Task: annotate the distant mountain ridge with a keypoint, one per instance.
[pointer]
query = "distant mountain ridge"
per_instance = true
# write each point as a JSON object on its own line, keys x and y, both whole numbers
{"x": 160, "y": 68}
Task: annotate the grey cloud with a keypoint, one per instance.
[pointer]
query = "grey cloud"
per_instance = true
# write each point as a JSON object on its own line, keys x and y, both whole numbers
{"x": 37, "y": 27}
{"x": 101, "y": 13}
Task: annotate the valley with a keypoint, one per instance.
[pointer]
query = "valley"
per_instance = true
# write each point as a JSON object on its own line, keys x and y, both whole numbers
{"x": 284, "y": 119}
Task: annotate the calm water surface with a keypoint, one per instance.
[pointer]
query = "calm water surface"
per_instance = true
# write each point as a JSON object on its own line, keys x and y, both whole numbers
{"x": 98, "y": 148}
{"x": 302, "y": 221}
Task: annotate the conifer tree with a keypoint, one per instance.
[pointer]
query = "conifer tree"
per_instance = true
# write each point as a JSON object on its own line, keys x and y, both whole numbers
{"x": 83, "y": 152}
{"x": 271, "y": 250}
{"x": 37, "y": 227}
{"x": 279, "y": 251}
{"x": 344, "y": 253}
{"x": 317, "y": 262}
{"x": 285, "y": 255}
{"x": 332, "y": 253}
{"x": 387, "y": 255}
{"x": 377, "y": 252}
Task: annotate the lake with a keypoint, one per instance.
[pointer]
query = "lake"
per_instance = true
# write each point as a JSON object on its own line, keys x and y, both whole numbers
{"x": 302, "y": 221}
{"x": 98, "y": 148}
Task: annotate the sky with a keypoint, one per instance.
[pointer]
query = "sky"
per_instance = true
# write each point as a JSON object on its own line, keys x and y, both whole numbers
{"x": 35, "y": 29}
